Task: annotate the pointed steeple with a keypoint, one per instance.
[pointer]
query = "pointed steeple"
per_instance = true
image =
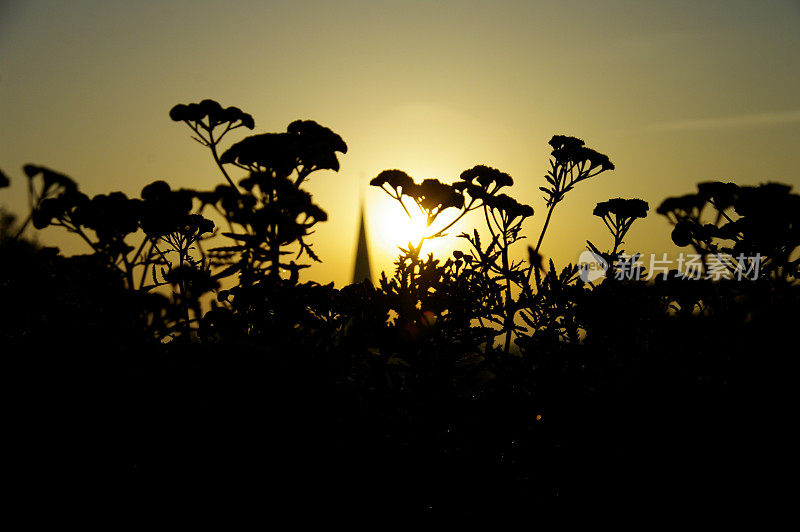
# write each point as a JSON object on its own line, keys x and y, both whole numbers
{"x": 362, "y": 269}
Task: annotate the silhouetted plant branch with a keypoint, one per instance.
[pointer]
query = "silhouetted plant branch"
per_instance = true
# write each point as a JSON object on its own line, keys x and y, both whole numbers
{"x": 571, "y": 163}
{"x": 479, "y": 187}
{"x": 204, "y": 118}
{"x": 403, "y": 377}
{"x": 757, "y": 221}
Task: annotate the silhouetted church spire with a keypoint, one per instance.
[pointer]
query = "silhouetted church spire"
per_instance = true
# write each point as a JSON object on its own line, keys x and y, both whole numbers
{"x": 362, "y": 269}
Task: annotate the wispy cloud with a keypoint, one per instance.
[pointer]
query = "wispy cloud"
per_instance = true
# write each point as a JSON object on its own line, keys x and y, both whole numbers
{"x": 738, "y": 121}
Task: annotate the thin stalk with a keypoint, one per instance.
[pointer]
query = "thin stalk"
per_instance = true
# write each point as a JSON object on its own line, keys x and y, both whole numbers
{"x": 213, "y": 146}
{"x": 544, "y": 228}
{"x": 509, "y": 312}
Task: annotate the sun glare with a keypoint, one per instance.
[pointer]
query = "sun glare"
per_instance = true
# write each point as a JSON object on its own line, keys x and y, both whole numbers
{"x": 393, "y": 228}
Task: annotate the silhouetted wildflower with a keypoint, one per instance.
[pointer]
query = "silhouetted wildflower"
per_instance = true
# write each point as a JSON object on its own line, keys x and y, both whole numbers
{"x": 486, "y": 175}
{"x": 213, "y": 111}
{"x": 623, "y": 208}
{"x": 411, "y": 369}
{"x": 721, "y": 194}
{"x": 164, "y": 211}
{"x": 305, "y": 148}
{"x": 396, "y": 179}
{"x": 50, "y": 179}
{"x": 686, "y": 206}
{"x": 508, "y": 205}
{"x": 317, "y": 145}
{"x": 435, "y": 195}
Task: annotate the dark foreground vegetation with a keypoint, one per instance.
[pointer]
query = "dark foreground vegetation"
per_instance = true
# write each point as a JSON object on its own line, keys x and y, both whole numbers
{"x": 184, "y": 360}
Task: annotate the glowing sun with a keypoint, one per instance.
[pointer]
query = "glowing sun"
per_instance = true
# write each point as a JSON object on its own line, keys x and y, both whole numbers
{"x": 393, "y": 228}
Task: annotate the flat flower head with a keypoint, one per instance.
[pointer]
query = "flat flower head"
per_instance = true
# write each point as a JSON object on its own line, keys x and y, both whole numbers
{"x": 213, "y": 110}
{"x": 195, "y": 224}
{"x": 51, "y": 179}
{"x": 163, "y": 210}
{"x": 571, "y": 150}
{"x": 721, "y": 194}
{"x": 564, "y": 142}
{"x": 486, "y": 175}
{"x": 435, "y": 194}
{"x": 596, "y": 159}
{"x": 763, "y": 200}
{"x": 624, "y": 208}
{"x": 47, "y": 210}
{"x": 475, "y": 191}
{"x": 681, "y": 204}
{"x": 274, "y": 152}
{"x": 179, "y": 112}
{"x": 155, "y": 190}
{"x": 511, "y": 207}
{"x": 316, "y": 145}
{"x": 195, "y": 112}
{"x": 231, "y": 115}
{"x": 397, "y": 179}
{"x": 315, "y": 133}
{"x": 113, "y": 214}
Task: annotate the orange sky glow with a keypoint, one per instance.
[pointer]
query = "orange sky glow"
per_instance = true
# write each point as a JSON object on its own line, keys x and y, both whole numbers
{"x": 674, "y": 92}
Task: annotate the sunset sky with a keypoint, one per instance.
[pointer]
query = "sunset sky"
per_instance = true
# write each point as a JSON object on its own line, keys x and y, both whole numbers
{"x": 675, "y": 92}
